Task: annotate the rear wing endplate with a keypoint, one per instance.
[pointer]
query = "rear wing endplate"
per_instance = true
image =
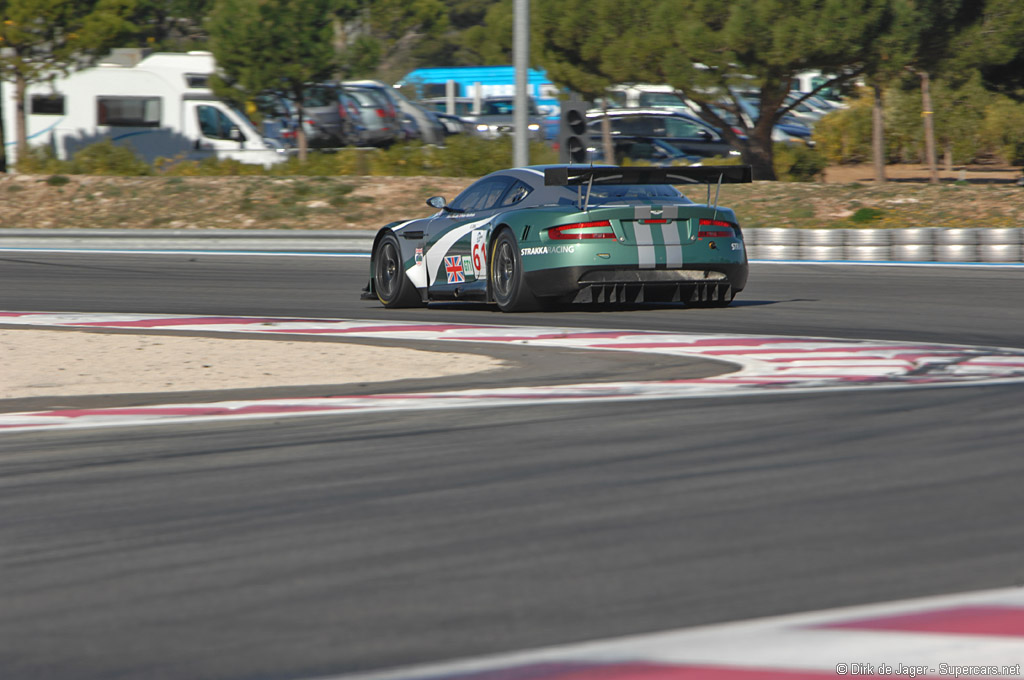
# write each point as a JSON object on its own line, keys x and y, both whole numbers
{"x": 700, "y": 174}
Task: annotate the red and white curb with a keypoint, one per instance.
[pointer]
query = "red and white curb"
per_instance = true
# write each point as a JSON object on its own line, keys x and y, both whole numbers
{"x": 764, "y": 365}
{"x": 973, "y": 635}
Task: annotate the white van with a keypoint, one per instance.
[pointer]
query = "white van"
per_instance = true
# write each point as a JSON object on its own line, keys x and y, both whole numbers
{"x": 162, "y": 107}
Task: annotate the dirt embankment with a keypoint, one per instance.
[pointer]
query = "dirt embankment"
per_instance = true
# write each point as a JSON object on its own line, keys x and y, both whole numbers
{"x": 247, "y": 202}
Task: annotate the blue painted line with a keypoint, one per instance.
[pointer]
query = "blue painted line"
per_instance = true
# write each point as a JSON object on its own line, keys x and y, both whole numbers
{"x": 129, "y": 251}
{"x": 893, "y": 263}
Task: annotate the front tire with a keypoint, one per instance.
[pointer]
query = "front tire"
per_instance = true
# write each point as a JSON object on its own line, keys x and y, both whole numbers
{"x": 508, "y": 287}
{"x": 392, "y": 286}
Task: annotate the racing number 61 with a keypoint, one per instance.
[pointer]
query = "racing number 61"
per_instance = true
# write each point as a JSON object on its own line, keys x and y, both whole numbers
{"x": 479, "y": 252}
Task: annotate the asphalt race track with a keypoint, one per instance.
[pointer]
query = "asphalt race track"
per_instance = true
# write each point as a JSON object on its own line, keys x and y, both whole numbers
{"x": 306, "y": 547}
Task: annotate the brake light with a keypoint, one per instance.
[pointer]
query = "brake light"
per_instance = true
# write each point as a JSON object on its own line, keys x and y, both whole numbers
{"x": 582, "y": 230}
{"x": 726, "y": 230}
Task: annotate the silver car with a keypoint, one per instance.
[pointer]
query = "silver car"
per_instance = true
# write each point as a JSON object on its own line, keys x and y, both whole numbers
{"x": 380, "y": 126}
{"x": 494, "y": 118}
{"x": 423, "y": 123}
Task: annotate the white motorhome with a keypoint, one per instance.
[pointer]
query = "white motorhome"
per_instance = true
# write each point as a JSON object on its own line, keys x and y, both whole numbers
{"x": 162, "y": 107}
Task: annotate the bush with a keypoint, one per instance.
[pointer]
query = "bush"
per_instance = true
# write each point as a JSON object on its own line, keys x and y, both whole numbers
{"x": 798, "y": 162}
{"x": 844, "y": 136}
{"x": 41, "y": 160}
{"x": 462, "y": 156}
{"x": 107, "y": 158}
{"x": 958, "y": 115}
{"x": 1002, "y": 130}
{"x": 866, "y": 215}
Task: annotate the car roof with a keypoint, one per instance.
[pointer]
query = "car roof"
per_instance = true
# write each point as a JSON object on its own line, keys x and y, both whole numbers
{"x": 647, "y": 111}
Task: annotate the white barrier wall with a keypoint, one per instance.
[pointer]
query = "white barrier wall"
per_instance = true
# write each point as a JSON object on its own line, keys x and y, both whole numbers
{"x": 925, "y": 244}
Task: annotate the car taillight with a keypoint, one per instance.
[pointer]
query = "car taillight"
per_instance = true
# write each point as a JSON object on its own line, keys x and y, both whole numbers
{"x": 725, "y": 230}
{"x": 582, "y": 230}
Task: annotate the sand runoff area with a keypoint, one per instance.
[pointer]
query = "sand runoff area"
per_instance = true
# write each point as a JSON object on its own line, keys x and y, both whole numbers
{"x": 39, "y": 363}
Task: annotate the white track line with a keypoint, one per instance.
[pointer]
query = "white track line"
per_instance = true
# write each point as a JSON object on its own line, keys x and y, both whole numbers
{"x": 765, "y": 365}
{"x": 936, "y": 637}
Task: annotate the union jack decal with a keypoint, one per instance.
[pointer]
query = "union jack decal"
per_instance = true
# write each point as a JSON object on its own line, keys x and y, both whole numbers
{"x": 453, "y": 265}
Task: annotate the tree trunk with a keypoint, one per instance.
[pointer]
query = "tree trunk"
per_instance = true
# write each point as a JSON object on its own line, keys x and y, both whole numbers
{"x": 3, "y": 134}
{"x": 929, "y": 127}
{"x": 759, "y": 155}
{"x": 300, "y": 132}
{"x": 878, "y": 135}
{"x": 20, "y": 117}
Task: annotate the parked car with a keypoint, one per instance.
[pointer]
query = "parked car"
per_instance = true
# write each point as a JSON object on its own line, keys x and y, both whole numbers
{"x": 689, "y": 134}
{"x": 324, "y": 123}
{"x": 494, "y": 118}
{"x": 788, "y": 129}
{"x": 643, "y": 151}
{"x": 642, "y": 96}
{"x": 453, "y": 125}
{"x": 355, "y": 128}
{"x": 320, "y": 104}
{"x": 380, "y": 123}
{"x": 424, "y": 124}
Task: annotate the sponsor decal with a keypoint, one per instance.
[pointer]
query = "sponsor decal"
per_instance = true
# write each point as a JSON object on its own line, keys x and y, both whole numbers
{"x": 453, "y": 266}
{"x": 478, "y": 252}
{"x": 736, "y": 246}
{"x": 419, "y": 256}
{"x": 548, "y": 250}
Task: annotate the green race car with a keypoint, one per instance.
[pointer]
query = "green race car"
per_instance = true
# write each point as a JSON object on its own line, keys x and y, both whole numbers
{"x": 527, "y": 238}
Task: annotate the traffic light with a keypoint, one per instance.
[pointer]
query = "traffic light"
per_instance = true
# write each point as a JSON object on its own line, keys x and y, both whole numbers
{"x": 572, "y": 132}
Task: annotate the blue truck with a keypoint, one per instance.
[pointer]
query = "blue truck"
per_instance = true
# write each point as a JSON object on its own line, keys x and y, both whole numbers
{"x": 494, "y": 81}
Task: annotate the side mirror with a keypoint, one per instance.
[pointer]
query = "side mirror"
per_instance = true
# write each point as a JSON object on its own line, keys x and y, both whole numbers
{"x": 437, "y": 202}
{"x": 236, "y": 135}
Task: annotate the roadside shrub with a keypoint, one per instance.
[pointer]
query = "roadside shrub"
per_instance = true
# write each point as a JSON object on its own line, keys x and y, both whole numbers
{"x": 413, "y": 158}
{"x": 904, "y": 131}
{"x": 1002, "y": 130}
{"x": 959, "y": 113}
{"x": 866, "y": 215}
{"x": 107, "y": 158}
{"x": 41, "y": 160}
{"x": 462, "y": 156}
{"x": 844, "y": 136}
{"x": 798, "y": 163}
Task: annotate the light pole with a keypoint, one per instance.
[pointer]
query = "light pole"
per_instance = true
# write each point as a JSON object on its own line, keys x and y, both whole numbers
{"x": 521, "y": 59}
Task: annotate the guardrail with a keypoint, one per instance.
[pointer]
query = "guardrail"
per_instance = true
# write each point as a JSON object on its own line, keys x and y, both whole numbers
{"x": 929, "y": 244}
{"x": 206, "y": 240}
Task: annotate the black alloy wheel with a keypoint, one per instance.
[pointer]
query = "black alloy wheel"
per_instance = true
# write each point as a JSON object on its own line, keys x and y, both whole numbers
{"x": 393, "y": 287}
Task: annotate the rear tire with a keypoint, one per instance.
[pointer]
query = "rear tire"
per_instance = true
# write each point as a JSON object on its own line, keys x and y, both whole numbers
{"x": 392, "y": 286}
{"x": 508, "y": 287}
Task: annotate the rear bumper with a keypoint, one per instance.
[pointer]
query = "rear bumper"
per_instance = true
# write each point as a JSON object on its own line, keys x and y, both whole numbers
{"x": 696, "y": 282}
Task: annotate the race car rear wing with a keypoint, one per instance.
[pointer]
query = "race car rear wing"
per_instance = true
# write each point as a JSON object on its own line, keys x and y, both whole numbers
{"x": 700, "y": 174}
